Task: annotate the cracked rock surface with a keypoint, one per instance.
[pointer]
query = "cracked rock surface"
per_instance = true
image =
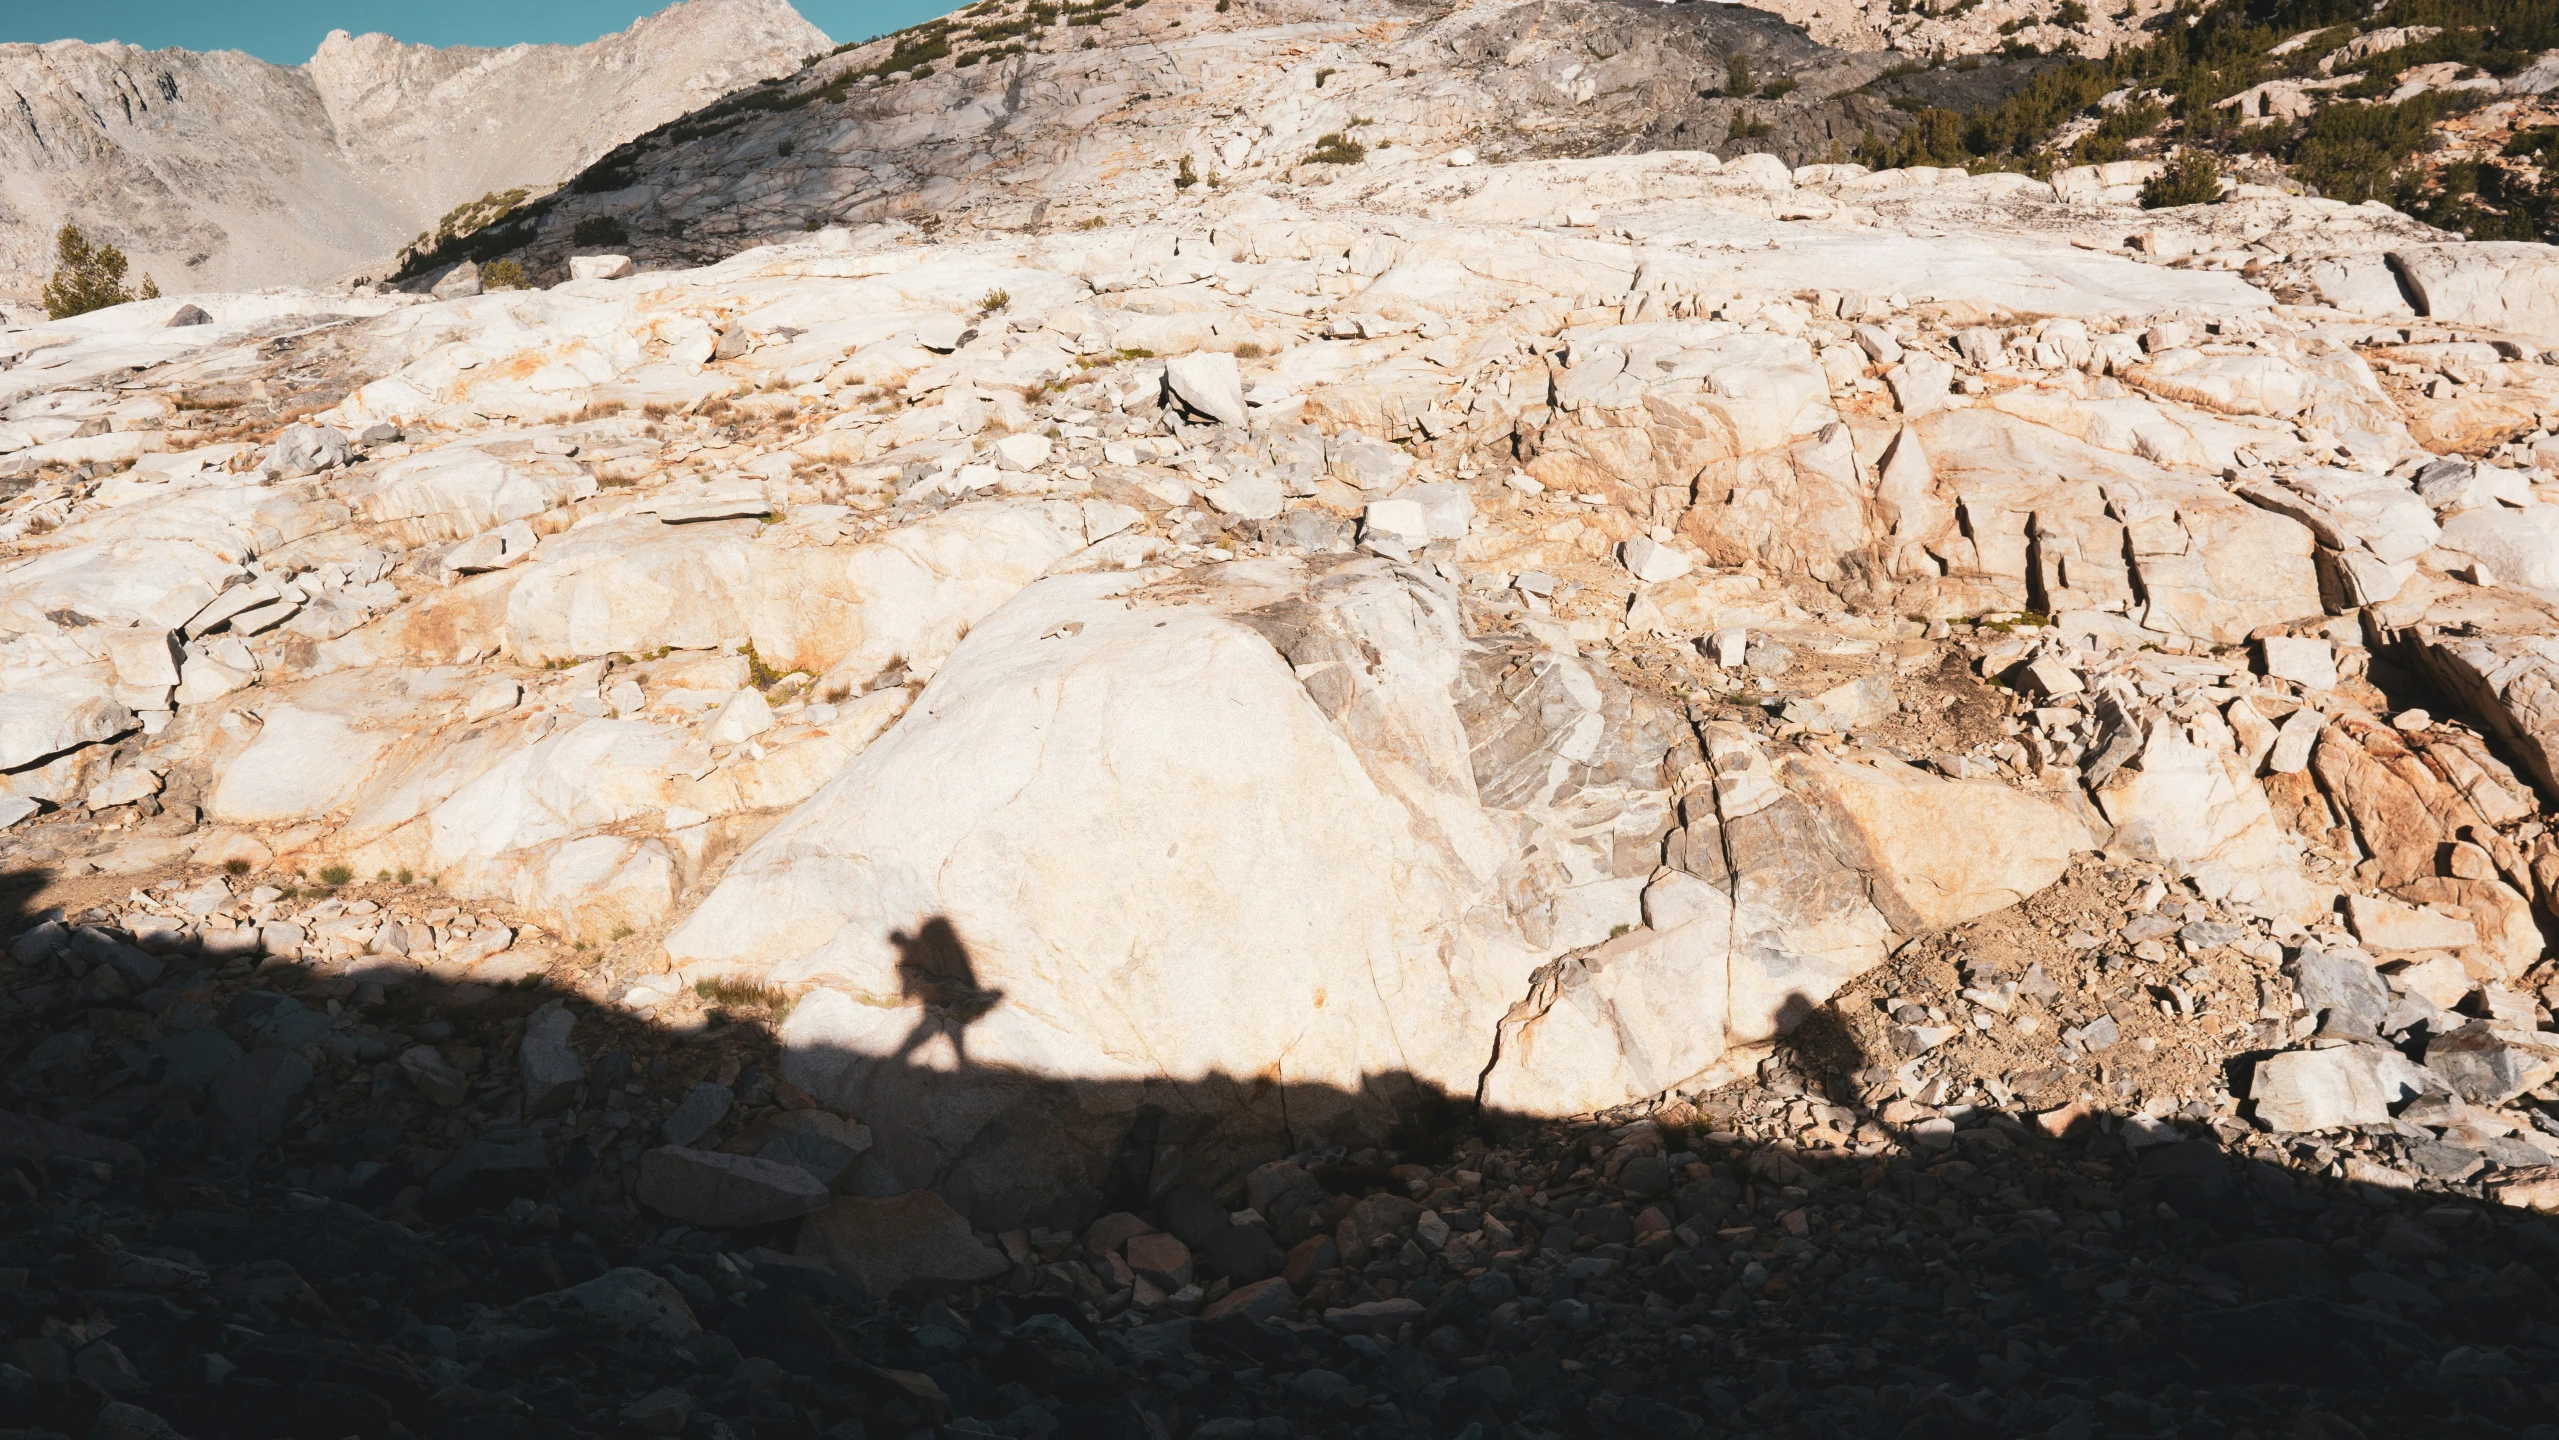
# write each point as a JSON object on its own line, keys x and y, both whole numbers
{"x": 1639, "y": 792}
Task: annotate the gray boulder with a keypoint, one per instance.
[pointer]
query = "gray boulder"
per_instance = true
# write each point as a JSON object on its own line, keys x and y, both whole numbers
{"x": 910, "y": 1239}
{"x": 2485, "y": 1067}
{"x": 630, "y": 1299}
{"x": 2347, "y": 994}
{"x": 822, "y": 1144}
{"x": 259, "y": 1093}
{"x": 2341, "y": 1085}
{"x": 704, "y": 1106}
{"x": 719, "y": 1191}
{"x": 457, "y": 283}
{"x": 308, "y": 450}
{"x": 551, "y": 1069}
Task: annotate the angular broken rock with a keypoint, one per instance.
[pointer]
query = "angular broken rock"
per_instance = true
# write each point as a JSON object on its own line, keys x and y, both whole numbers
{"x": 2343, "y": 990}
{"x": 2534, "y": 1188}
{"x": 1851, "y": 706}
{"x": 820, "y": 1143}
{"x": 2294, "y": 739}
{"x": 508, "y": 544}
{"x": 888, "y": 1243}
{"x": 1652, "y": 562}
{"x": 2309, "y": 663}
{"x": 492, "y": 697}
{"x": 308, "y": 450}
{"x": 702, "y": 1107}
{"x": 1919, "y": 384}
{"x": 722, "y": 1191}
{"x": 2440, "y": 980}
{"x": 2049, "y": 677}
{"x": 1022, "y": 450}
{"x": 2392, "y": 925}
{"x": 1270, "y": 1299}
{"x": 435, "y": 1078}
{"x": 634, "y": 1300}
{"x": 744, "y": 716}
{"x": 1208, "y": 382}
{"x": 600, "y": 267}
{"x": 1399, "y": 522}
{"x": 2487, "y": 1066}
{"x": 1447, "y": 509}
{"x": 550, "y": 1069}
{"x": 146, "y": 657}
{"x": 2340, "y": 1085}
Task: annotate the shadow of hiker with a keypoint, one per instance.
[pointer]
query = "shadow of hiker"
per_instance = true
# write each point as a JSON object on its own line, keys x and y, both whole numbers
{"x": 370, "y": 1226}
{"x": 935, "y": 972}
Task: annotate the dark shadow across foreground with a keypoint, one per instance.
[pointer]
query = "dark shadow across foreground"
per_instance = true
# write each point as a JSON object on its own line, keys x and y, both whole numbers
{"x": 227, "y": 1209}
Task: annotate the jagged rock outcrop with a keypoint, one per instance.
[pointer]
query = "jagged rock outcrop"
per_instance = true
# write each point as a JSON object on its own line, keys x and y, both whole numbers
{"x": 220, "y": 171}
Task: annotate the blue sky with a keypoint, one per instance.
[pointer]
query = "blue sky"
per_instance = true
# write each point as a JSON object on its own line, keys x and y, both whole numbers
{"x": 287, "y": 31}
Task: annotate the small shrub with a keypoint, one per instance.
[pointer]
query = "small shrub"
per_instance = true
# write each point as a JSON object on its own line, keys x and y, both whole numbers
{"x": 622, "y": 932}
{"x": 382, "y": 875}
{"x": 1738, "y": 81}
{"x": 336, "y": 875}
{"x": 600, "y": 230}
{"x": 236, "y": 867}
{"x": 1187, "y": 176}
{"x": 1334, "y": 148}
{"x": 1093, "y": 222}
{"x": 1251, "y": 350}
{"x": 730, "y": 992}
{"x": 785, "y": 148}
{"x": 1322, "y": 74}
{"x": 1778, "y": 88}
{"x": 88, "y": 277}
{"x": 503, "y": 275}
{"x": 2071, "y": 13}
{"x": 405, "y": 877}
{"x": 1746, "y": 126}
{"x": 2193, "y": 178}
{"x": 813, "y": 224}
{"x": 993, "y": 301}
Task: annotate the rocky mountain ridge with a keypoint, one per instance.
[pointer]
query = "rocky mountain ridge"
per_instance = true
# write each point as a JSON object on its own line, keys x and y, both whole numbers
{"x": 221, "y": 171}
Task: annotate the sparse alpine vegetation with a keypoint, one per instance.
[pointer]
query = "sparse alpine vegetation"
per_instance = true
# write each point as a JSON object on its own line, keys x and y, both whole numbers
{"x": 463, "y": 220}
{"x": 2226, "y": 85}
{"x": 88, "y": 276}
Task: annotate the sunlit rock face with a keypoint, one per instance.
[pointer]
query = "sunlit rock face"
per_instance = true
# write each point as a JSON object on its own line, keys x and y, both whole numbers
{"x": 1290, "y": 664}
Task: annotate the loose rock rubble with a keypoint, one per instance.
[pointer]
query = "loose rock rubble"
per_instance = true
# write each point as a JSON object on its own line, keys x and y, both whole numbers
{"x": 276, "y": 1199}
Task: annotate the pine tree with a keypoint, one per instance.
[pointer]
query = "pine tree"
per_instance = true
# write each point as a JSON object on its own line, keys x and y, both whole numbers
{"x": 88, "y": 277}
